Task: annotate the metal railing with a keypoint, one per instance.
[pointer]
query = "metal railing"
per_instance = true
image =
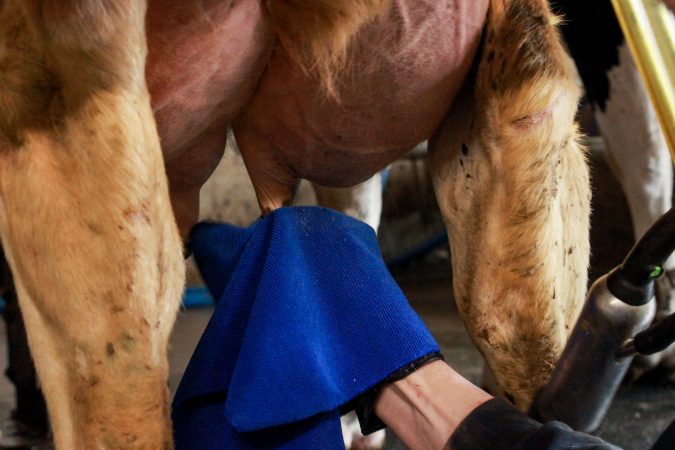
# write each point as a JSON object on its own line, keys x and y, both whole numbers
{"x": 649, "y": 28}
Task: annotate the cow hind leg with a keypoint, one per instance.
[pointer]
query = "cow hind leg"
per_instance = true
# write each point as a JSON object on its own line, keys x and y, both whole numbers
{"x": 638, "y": 155}
{"x": 85, "y": 218}
{"x": 512, "y": 184}
{"x": 362, "y": 202}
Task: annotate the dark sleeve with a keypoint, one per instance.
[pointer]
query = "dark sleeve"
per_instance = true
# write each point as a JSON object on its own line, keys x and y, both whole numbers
{"x": 667, "y": 440}
{"x": 499, "y": 426}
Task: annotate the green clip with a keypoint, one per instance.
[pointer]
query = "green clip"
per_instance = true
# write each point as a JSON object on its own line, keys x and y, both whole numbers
{"x": 657, "y": 272}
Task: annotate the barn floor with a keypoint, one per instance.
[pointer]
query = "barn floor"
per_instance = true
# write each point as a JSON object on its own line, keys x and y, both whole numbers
{"x": 639, "y": 413}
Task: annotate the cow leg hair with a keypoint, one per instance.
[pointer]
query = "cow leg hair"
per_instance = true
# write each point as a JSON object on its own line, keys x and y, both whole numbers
{"x": 85, "y": 218}
{"x": 512, "y": 185}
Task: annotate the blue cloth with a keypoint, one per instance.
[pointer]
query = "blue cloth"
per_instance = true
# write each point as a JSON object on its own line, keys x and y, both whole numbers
{"x": 308, "y": 318}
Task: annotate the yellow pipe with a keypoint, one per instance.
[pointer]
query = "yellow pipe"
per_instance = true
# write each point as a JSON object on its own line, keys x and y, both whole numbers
{"x": 650, "y": 33}
{"x": 664, "y": 32}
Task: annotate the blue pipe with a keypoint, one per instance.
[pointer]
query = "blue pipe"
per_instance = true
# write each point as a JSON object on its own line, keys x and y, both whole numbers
{"x": 197, "y": 297}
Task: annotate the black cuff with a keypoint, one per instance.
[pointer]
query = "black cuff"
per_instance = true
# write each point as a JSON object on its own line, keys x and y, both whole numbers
{"x": 364, "y": 404}
{"x": 498, "y": 425}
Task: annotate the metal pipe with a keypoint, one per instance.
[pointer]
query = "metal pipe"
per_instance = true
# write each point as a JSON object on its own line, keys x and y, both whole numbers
{"x": 657, "y": 337}
{"x": 650, "y": 33}
{"x": 588, "y": 373}
{"x": 601, "y": 345}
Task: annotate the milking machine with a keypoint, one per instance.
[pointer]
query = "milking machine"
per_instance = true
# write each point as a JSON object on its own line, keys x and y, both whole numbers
{"x": 613, "y": 327}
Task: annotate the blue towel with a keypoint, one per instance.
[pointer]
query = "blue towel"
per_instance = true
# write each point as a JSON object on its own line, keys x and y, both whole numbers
{"x": 308, "y": 318}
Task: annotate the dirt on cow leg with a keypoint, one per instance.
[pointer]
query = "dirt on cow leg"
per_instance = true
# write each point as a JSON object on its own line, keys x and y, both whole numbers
{"x": 512, "y": 184}
{"x": 85, "y": 219}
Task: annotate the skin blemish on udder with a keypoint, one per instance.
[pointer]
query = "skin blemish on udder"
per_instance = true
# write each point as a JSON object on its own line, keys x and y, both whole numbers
{"x": 3, "y": 211}
{"x": 81, "y": 362}
{"x": 96, "y": 229}
{"x": 137, "y": 215}
{"x": 128, "y": 342}
{"x": 531, "y": 120}
{"x": 109, "y": 441}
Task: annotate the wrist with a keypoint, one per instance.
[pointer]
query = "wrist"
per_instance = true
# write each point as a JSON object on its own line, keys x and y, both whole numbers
{"x": 426, "y": 407}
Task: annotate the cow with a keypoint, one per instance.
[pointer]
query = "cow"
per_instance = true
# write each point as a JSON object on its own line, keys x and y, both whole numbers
{"x": 113, "y": 113}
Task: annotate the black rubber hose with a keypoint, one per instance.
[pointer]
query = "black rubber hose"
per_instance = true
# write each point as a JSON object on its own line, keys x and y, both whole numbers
{"x": 651, "y": 251}
{"x": 657, "y": 337}
{"x": 632, "y": 281}
{"x": 667, "y": 439}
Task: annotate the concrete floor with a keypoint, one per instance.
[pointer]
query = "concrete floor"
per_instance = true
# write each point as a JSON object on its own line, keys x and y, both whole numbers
{"x": 637, "y": 416}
